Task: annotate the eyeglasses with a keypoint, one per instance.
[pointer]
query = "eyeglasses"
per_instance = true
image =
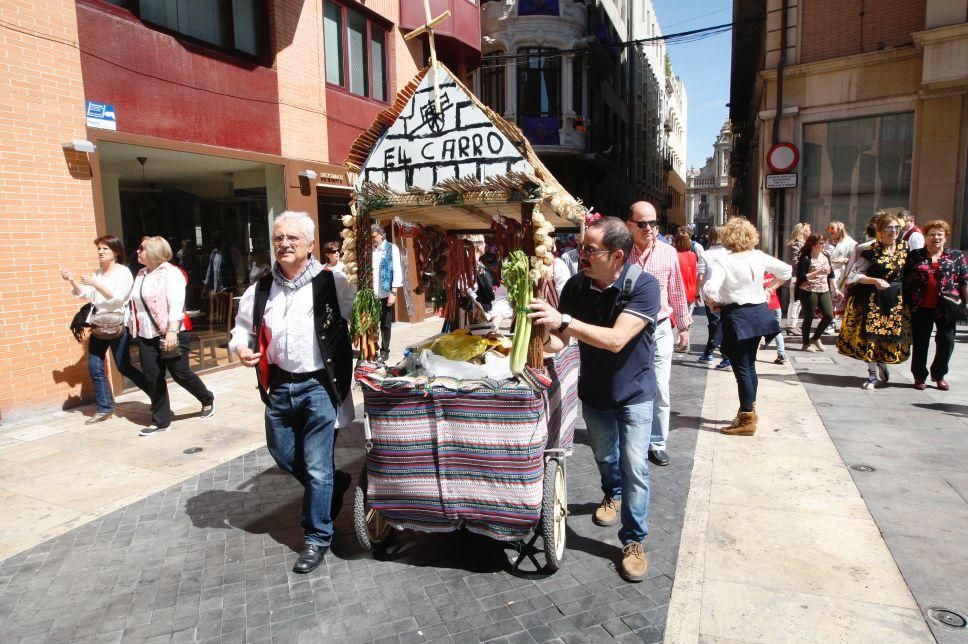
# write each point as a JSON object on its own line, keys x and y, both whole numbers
{"x": 585, "y": 249}
{"x": 292, "y": 239}
{"x": 892, "y": 229}
{"x": 652, "y": 223}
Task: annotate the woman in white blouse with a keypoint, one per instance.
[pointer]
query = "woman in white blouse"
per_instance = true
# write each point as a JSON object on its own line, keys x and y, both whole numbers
{"x": 158, "y": 300}
{"x": 735, "y": 287}
{"x": 108, "y": 289}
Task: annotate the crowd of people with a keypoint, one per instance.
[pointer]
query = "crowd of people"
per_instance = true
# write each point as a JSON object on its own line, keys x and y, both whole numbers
{"x": 626, "y": 296}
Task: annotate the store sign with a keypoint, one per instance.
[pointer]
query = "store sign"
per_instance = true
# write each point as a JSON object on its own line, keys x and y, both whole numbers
{"x": 423, "y": 148}
{"x": 777, "y": 181}
{"x": 101, "y": 116}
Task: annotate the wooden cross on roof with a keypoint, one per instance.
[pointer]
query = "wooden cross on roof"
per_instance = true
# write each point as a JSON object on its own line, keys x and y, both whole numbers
{"x": 428, "y": 27}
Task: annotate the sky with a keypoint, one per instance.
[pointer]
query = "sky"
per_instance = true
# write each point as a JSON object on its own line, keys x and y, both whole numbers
{"x": 703, "y": 67}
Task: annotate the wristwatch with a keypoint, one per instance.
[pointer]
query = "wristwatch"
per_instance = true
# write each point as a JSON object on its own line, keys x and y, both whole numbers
{"x": 565, "y": 321}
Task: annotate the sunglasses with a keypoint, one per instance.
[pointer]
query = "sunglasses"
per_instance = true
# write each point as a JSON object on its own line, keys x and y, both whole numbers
{"x": 591, "y": 250}
{"x": 893, "y": 229}
{"x": 332, "y": 252}
{"x": 645, "y": 224}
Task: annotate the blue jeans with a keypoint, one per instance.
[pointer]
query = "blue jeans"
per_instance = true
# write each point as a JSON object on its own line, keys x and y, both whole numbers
{"x": 301, "y": 434}
{"x": 620, "y": 441}
{"x": 743, "y": 359}
{"x": 96, "y": 351}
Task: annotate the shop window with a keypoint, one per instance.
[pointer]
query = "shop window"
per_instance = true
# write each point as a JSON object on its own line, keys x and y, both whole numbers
{"x": 492, "y": 81}
{"x": 356, "y": 51}
{"x": 852, "y": 168}
{"x": 234, "y": 25}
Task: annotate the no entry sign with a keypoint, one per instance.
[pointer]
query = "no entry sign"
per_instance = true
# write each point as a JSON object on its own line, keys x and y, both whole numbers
{"x": 782, "y": 157}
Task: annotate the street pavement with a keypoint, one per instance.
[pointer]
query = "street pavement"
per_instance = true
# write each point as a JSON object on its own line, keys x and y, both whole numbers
{"x": 769, "y": 538}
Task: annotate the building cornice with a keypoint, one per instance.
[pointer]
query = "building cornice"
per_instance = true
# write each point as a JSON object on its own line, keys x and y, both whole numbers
{"x": 940, "y": 34}
{"x": 844, "y": 63}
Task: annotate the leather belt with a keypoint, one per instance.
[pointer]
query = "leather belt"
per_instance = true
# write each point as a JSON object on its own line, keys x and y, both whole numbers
{"x": 282, "y": 375}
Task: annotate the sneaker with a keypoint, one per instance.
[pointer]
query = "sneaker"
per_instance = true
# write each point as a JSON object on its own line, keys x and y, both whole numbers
{"x": 209, "y": 410}
{"x": 607, "y": 511}
{"x": 883, "y": 373}
{"x": 870, "y": 383}
{"x": 151, "y": 429}
{"x": 780, "y": 358}
{"x": 706, "y": 357}
{"x": 817, "y": 344}
{"x": 98, "y": 417}
{"x": 724, "y": 364}
{"x": 633, "y": 565}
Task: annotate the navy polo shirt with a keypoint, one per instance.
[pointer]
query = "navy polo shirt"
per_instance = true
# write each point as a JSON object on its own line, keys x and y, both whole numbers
{"x": 611, "y": 380}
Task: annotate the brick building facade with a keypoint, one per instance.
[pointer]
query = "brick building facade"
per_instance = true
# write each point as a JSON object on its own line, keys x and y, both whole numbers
{"x": 224, "y": 118}
{"x": 873, "y": 95}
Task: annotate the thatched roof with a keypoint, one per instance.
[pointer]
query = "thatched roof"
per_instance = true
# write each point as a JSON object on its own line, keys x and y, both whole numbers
{"x": 460, "y": 200}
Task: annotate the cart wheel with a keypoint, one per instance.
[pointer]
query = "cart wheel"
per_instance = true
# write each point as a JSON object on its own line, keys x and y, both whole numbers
{"x": 554, "y": 512}
{"x": 371, "y": 529}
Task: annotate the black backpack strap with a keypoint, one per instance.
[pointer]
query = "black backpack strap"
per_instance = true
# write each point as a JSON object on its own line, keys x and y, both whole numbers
{"x": 259, "y": 305}
{"x": 628, "y": 285}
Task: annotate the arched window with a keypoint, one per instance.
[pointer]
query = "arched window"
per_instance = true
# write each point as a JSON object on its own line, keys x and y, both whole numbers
{"x": 492, "y": 81}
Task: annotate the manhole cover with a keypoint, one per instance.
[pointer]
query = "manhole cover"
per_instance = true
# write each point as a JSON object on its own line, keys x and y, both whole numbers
{"x": 862, "y": 468}
{"x": 948, "y": 617}
{"x": 192, "y": 450}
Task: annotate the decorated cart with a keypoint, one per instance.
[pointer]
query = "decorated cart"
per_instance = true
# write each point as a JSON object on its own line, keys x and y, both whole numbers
{"x": 486, "y": 454}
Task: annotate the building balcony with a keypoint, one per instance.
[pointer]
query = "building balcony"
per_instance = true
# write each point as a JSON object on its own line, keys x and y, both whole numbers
{"x": 462, "y": 31}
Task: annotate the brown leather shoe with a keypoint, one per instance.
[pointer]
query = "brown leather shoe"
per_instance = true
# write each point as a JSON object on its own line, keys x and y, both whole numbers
{"x": 607, "y": 512}
{"x": 919, "y": 385}
{"x": 743, "y": 425}
{"x": 941, "y": 384}
{"x": 633, "y": 565}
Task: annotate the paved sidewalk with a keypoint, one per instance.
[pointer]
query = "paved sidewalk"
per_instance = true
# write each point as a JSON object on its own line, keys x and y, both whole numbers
{"x": 778, "y": 545}
{"x": 57, "y": 473}
{"x": 209, "y": 559}
{"x": 915, "y": 441}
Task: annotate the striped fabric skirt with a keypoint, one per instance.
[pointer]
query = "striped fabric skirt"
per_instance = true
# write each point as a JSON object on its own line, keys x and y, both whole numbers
{"x": 444, "y": 459}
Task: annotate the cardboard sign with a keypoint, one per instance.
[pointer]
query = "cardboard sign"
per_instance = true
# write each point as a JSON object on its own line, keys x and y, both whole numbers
{"x": 422, "y": 147}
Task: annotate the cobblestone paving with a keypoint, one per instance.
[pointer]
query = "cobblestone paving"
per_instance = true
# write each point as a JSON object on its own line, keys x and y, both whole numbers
{"x": 209, "y": 561}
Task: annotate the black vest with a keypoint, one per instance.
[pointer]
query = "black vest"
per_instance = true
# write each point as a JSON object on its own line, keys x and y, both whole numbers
{"x": 332, "y": 334}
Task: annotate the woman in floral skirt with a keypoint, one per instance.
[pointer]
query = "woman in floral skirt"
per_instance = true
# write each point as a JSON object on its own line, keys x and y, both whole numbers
{"x": 877, "y": 325}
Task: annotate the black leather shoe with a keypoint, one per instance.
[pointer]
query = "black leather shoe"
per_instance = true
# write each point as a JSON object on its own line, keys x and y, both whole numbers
{"x": 341, "y": 483}
{"x": 659, "y": 457}
{"x": 309, "y": 558}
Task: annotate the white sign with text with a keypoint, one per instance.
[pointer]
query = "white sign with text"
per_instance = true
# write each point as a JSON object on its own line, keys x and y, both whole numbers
{"x": 423, "y": 148}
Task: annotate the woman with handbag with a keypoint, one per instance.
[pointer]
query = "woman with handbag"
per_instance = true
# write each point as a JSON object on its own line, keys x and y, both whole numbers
{"x": 108, "y": 289}
{"x": 158, "y": 302}
{"x": 877, "y": 326}
{"x": 816, "y": 288}
{"x": 935, "y": 290}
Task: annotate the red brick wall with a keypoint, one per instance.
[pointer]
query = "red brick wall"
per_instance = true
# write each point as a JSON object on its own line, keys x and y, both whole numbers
{"x": 47, "y": 219}
{"x": 835, "y": 28}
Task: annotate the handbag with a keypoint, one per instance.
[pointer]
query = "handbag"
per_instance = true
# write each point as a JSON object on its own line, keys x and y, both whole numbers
{"x": 79, "y": 321}
{"x": 164, "y": 354}
{"x": 107, "y": 325}
{"x": 953, "y": 308}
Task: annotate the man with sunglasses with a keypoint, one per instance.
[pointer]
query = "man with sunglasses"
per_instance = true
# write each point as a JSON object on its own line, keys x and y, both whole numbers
{"x": 662, "y": 262}
{"x": 610, "y": 308}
